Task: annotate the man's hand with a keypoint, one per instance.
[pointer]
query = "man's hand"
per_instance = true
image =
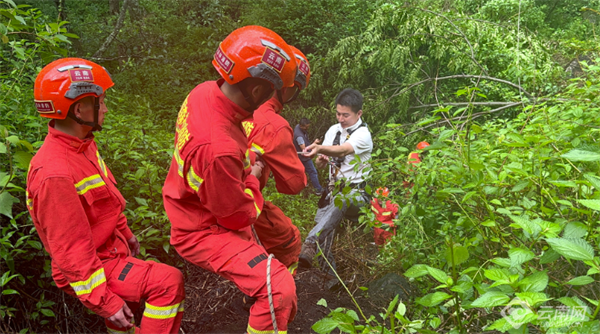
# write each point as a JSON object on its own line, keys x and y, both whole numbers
{"x": 312, "y": 149}
{"x": 257, "y": 168}
{"x": 122, "y": 318}
{"x": 134, "y": 246}
{"x": 322, "y": 161}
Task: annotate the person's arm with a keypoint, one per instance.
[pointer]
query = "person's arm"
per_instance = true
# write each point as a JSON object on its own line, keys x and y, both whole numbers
{"x": 235, "y": 201}
{"x": 332, "y": 151}
{"x": 277, "y": 150}
{"x": 58, "y": 208}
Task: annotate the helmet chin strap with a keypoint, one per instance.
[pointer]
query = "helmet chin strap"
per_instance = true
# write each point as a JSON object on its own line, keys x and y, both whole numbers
{"x": 248, "y": 97}
{"x": 94, "y": 125}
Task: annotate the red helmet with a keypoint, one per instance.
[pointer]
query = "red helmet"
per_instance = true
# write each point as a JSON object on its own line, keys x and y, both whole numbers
{"x": 422, "y": 145}
{"x": 65, "y": 81}
{"x": 303, "y": 73}
{"x": 255, "y": 52}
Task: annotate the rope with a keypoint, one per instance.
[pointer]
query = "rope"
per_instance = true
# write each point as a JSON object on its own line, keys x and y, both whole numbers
{"x": 271, "y": 294}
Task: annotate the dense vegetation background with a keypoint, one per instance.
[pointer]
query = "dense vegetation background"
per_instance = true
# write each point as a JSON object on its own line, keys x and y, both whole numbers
{"x": 504, "y": 211}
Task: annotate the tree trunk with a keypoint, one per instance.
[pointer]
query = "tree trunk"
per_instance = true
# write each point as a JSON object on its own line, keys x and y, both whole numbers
{"x": 115, "y": 31}
{"x": 113, "y": 6}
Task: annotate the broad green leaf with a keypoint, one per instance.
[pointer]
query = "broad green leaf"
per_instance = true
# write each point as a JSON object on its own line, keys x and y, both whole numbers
{"x": 10, "y": 292}
{"x": 581, "y": 280}
{"x": 22, "y": 159}
{"x": 501, "y": 325}
{"x": 520, "y": 186}
{"x": 439, "y": 275}
{"x": 549, "y": 256}
{"x": 536, "y": 282}
{"x": 47, "y": 312}
{"x": 533, "y": 299}
{"x": 572, "y": 248}
{"x": 490, "y": 299}
{"x": 501, "y": 261}
{"x": 433, "y": 299}
{"x": 353, "y": 315}
{"x": 6, "y": 203}
{"x": 141, "y": 201}
{"x": 462, "y": 287}
{"x": 594, "y": 180}
{"x": 526, "y": 224}
{"x": 520, "y": 255}
{"x": 497, "y": 274}
{"x": 580, "y": 155}
{"x": 461, "y": 254}
{"x": 560, "y": 320}
{"x": 593, "y": 204}
{"x": 2, "y": 148}
{"x": 417, "y": 270}
{"x": 575, "y": 230}
{"x": 573, "y": 302}
{"x": 401, "y": 309}
{"x": 322, "y": 302}
{"x": 325, "y": 326}
{"x": 566, "y": 184}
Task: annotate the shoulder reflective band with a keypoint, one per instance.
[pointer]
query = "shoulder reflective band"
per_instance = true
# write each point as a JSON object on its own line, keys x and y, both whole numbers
{"x": 101, "y": 164}
{"x": 257, "y": 149}
{"x": 194, "y": 180}
{"x": 87, "y": 286}
{"x": 88, "y": 183}
{"x": 179, "y": 162}
{"x": 81, "y": 87}
{"x": 249, "y": 192}
{"x": 163, "y": 312}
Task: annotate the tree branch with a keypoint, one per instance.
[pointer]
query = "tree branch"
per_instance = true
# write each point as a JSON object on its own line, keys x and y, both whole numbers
{"x": 115, "y": 31}
{"x": 460, "y": 76}
{"x": 458, "y": 118}
{"x": 463, "y": 104}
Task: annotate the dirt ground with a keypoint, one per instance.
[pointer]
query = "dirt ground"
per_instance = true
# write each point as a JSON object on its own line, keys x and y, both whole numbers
{"x": 213, "y": 304}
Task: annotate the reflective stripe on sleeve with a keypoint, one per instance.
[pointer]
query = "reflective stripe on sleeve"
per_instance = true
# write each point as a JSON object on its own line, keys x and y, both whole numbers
{"x": 387, "y": 213}
{"x": 247, "y": 161}
{"x": 163, "y": 312}
{"x": 257, "y": 149}
{"x": 292, "y": 268}
{"x": 87, "y": 286}
{"x": 249, "y": 192}
{"x": 88, "y": 183}
{"x": 194, "y": 180}
{"x": 179, "y": 162}
{"x": 28, "y": 200}
{"x": 251, "y": 330}
{"x": 374, "y": 209}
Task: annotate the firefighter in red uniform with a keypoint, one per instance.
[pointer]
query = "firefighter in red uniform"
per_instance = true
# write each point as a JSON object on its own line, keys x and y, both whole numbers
{"x": 270, "y": 138}
{"x": 78, "y": 211}
{"x": 212, "y": 193}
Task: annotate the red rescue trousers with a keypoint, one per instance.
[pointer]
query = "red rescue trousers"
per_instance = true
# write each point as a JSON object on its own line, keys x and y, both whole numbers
{"x": 235, "y": 256}
{"x": 160, "y": 285}
{"x": 279, "y": 236}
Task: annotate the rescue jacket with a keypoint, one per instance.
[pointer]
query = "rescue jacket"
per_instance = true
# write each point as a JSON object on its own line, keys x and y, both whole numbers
{"x": 209, "y": 181}
{"x": 78, "y": 214}
{"x": 271, "y": 138}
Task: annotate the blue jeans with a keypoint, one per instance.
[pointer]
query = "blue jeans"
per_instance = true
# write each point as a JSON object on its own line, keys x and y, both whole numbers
{"x": 310, "y": 169}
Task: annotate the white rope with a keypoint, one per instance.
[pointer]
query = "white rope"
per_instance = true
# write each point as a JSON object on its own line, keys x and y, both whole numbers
{"x": 271, "y": 294}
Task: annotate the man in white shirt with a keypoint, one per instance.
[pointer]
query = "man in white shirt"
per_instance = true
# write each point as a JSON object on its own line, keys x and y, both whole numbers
{"x": 344, "y": 142}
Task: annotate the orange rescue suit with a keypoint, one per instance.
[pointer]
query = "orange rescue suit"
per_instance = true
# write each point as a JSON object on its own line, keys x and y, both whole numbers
{"x": 212, "y": 200}
{"x": 78, "y": 213}
{"x": 270, "y": 137}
